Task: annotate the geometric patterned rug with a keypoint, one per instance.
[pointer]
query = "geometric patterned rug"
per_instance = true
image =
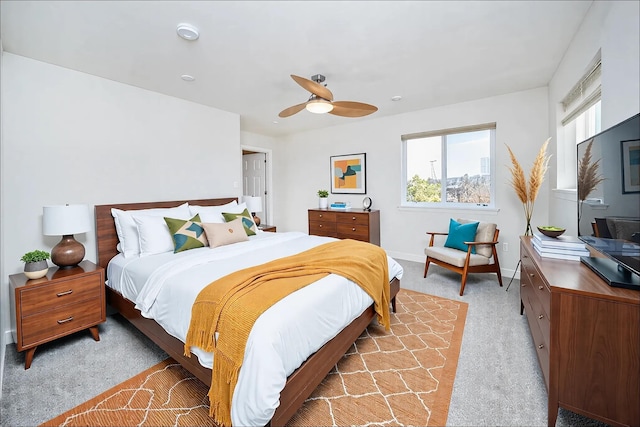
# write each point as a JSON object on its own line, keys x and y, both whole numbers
{"x": 402, "y": 377}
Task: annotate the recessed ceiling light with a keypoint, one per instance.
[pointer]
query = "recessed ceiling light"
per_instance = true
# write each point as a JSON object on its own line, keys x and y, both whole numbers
{"x": 188, "y": 32}
{"x": 396, "y": 98}
{"x": 187, "y": 78}
{"x": 275, "y": 122}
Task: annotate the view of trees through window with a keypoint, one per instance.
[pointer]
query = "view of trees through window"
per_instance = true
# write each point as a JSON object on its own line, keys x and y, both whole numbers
{"x": 461, "y": 161}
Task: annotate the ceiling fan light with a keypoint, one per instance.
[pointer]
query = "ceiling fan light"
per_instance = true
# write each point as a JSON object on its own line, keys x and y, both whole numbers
{"x": 319, "y": 106}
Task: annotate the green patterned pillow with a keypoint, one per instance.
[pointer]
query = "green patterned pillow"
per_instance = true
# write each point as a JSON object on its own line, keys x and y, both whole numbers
{"x": 247, "y": 222}
{"x": 186, "y": 234}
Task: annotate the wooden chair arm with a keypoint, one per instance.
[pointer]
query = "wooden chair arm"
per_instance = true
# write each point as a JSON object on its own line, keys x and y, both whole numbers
{"x": 481, "y": 243}
{"x": 434, "y": 234}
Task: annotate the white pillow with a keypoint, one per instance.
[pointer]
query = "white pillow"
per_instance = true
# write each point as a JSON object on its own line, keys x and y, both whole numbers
{"x": 153, "y": 235}
{"x": 212, "y": 214}
{"x": 128, "y": 231}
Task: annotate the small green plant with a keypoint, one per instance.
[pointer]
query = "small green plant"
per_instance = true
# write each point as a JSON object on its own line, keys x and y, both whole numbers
{"x": 323, "y": 193}
{"x": 35, "y": 256}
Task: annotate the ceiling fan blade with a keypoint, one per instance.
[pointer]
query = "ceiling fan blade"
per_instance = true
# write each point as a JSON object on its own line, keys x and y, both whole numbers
{"x": 352, "y": 109}
{"x": 313, "y": 87}
{"x": 292, "y": 110}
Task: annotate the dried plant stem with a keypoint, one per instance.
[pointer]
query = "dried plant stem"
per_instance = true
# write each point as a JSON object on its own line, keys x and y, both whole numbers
{"x": 527, "y": 193}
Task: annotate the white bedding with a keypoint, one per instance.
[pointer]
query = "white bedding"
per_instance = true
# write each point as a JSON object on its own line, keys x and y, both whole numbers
{"x": 165, "y": 286}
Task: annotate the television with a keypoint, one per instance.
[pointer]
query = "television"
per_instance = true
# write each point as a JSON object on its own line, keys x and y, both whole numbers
{"x": 609, "y": 202}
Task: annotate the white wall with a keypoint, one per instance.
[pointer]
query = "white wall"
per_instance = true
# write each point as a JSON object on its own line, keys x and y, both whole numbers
{"x": 614, "y": 29}
{"x": 3, "y": 295}
{"x": 70, "y": 137}
{"x": 521, "y": 123}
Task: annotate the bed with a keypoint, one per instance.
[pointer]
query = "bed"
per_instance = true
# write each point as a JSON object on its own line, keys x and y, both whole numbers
{"x": 299, "y": 384}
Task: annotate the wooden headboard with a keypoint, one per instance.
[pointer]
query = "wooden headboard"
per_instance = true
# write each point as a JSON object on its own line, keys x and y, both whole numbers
{"x": 106, "y": 236}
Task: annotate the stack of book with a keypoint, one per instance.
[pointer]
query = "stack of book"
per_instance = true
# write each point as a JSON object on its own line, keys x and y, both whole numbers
{"x": 561, "y": 247}
{"x": 340, "y": 205}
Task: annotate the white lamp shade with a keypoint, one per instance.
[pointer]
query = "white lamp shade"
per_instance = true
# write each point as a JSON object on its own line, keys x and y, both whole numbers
{"x": 65, "y": 219}
{"x": 254, "y": 203}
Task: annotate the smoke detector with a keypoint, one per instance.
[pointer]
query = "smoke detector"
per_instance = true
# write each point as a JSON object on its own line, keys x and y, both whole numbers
{"x": 188, "y": 32}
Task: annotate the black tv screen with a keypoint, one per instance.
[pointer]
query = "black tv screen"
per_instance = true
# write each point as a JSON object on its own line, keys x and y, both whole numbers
{"x": 609, "y": 210}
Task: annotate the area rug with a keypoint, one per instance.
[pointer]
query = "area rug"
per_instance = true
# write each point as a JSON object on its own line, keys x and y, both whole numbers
{"x": 404, "y": 377}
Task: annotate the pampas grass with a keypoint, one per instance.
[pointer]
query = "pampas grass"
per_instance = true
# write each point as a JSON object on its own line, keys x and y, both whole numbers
{"x": 588, "y": 177}
{"x": 527, "y": 192}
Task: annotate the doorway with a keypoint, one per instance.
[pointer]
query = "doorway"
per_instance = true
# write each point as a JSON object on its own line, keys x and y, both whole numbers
{"x": 255, "y": 165}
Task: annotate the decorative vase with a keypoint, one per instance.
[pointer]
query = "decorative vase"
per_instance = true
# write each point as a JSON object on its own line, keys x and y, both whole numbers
{"x": 36, "y": 270}
{"x": 324, "y": 202}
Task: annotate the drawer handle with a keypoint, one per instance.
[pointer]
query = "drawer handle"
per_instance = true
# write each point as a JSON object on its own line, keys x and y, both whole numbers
{"x": 540, "y": 316}
{"x": 540, "y": 346}
{"x": 353, "y": 229}
{"x": 541, "y": 287}
{"x": 320, "y": 226}
{"x": 523, "y": 285}
{"x": 320, "y": 216}
{"x": 353, "y": 218}
{"x": 68, "y": 319}
{"x": 532, "y": 275}
{"x": 61, "y": 294}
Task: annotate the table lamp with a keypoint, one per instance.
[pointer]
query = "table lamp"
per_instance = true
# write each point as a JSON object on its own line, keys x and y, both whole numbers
{"x": 66, "y": 221}
{"x": 254, "y": 204}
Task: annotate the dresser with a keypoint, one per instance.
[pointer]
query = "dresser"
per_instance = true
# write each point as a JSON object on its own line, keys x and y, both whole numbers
{"x": 586, "y": 335}
{"x": 61, "y": 303}
{"x": 352, "y": 224}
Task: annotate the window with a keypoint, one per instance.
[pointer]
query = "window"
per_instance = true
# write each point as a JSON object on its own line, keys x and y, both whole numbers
{"x": 449, "y": 168}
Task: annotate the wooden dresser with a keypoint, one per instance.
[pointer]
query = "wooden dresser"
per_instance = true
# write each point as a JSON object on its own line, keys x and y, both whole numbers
{"x": 352, "y": 224}
{"x": 587, "y": 338}
{"x": 61, "y": 303}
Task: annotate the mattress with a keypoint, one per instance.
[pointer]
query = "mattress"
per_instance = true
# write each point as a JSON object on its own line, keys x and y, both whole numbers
{"x": 164, "y": 287}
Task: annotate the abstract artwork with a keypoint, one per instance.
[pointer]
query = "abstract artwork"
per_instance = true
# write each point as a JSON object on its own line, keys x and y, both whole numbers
{"x": 630, "y": 166}
{"x": 348, "y": 174}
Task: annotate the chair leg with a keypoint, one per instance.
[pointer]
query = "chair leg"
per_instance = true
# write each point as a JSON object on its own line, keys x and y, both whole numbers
{"x": 426, "y": 267}
{"x": 464, "y": 282}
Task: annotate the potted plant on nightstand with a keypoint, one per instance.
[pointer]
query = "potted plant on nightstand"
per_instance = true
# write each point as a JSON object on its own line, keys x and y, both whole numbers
{"x": 35, "y": 264}
{"x": 322, "y": 195}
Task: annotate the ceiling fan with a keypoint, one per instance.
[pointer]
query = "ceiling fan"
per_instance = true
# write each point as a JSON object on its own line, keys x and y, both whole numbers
{"x": 321, "y": 101}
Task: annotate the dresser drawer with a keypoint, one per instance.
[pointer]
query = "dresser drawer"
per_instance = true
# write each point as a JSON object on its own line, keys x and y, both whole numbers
{"x": 538, "y": 286}
{"x": 322, "y": 216}
{"x": 322, "y": 228}
{"x": 43, "y": 298}
{"x": 353, "y": 231}
{"x": 541, "y": 347}
{"x": 61, "y": 321}
{"x": 353, "y": 219}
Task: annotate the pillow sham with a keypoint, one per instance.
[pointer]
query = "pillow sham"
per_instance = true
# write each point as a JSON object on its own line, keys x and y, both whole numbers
{"x": 213, "y": 213}
{"x": 153, "y": 234}
{"x": 460, "y": 233}
{"x": 128, "y": 232}
{"x": 186, "y": 234}
{"x": 226, "y": 233}
{"x": 250, "y": 227}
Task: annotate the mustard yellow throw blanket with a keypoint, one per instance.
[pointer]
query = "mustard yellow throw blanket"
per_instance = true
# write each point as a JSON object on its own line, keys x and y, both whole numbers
{"x": 232, "y": 304}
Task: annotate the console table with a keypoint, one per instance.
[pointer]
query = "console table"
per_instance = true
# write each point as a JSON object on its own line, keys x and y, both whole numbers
{"x": 587, "y": 338}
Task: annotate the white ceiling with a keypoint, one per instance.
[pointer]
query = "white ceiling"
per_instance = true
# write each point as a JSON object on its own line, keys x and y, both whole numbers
{"x": 430, "y": 52}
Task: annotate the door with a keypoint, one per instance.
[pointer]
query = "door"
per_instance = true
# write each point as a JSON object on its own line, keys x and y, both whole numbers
{"x": 254, "y": 179}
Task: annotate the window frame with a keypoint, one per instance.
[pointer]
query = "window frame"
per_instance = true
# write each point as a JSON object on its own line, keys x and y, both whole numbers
{"x": 404, "y": 203}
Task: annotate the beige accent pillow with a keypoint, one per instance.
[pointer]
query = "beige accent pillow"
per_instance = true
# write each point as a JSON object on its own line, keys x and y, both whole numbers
{"x": 485, "y": 233}
{"x": 225, "y": 234}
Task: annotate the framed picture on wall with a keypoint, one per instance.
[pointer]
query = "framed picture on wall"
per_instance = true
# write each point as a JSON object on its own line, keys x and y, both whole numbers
{"x": 349, "y": 174}
{"x": 630, "y": 166}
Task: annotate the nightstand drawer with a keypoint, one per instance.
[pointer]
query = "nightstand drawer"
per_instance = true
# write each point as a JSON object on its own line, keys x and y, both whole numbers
{"x": 42, "y": 298}
{"x": 52, "y": 324}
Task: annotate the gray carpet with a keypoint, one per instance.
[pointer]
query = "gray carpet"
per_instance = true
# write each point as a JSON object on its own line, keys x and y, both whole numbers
{"x": 498, "y": 382}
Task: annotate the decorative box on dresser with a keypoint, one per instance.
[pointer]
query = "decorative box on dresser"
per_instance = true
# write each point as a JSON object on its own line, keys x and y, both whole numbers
{"x": 61, "y": 303}
{"x": 352, "y": 224}
{"x": 587, "y": 338}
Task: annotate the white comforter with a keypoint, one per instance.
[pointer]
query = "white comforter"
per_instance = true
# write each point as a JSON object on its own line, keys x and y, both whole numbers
{"x": 165, "y": 286}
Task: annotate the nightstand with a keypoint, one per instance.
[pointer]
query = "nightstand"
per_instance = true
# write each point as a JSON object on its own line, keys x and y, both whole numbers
{"x": 61, "y": 303}
{"x": 265, "y": 227}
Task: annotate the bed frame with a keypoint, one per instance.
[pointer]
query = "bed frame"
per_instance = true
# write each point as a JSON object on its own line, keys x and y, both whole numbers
{"x": 300, "y": 383}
